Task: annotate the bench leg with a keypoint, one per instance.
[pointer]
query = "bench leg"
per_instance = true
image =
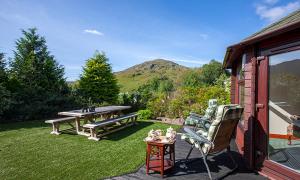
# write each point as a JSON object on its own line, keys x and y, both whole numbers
{"x": 55, "y": 129}
{"x": 93, "y": 135}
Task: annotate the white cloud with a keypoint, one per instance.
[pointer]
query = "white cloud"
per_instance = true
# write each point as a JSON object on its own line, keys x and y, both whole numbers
{"x": 274, "y": 13}
{"x": 188, "y": 61}
{"x": 93, "y": 31}
{"x": 271, "y": 1}
{"x": 183, "y": 60}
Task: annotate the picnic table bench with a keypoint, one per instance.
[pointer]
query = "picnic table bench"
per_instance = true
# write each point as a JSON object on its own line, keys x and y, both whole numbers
{"x": 56, "y": 122}
{"x": 104, "y": 112}
{"x": 107, "y": 125}
{"x": 108, "y": 116}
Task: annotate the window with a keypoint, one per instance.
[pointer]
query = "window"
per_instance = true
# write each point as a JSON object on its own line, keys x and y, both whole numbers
{"x": 284, "y": 109}
{"x": 241, "y": 69}
{"x": 241, "y": 84}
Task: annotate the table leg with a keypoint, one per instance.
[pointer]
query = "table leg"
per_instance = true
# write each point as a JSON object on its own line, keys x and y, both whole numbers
{"x": 77, "y": 124}
{"x": 148, "y": 158}
{"x": 162, "y": 155}
{"x": 173, "y": 154}
{"x": 170, "y": 153}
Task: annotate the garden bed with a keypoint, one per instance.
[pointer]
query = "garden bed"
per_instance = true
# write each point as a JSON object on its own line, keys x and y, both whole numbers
{"x": 175, "y": 121}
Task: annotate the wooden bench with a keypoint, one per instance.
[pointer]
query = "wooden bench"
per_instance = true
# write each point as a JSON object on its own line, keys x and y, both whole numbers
{"x": 56, "y": 122}
{"x": 121, "y": 122}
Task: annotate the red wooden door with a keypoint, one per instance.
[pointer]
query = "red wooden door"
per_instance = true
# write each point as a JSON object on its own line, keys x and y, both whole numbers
{"x": 261, "y": 120}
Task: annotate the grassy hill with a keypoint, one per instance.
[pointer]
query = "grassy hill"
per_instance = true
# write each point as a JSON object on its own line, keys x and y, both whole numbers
{"x": 135, "y": 76}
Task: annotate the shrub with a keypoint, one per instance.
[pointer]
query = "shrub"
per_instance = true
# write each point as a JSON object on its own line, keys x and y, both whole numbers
{"x": 158, "y": 105}
{"x": 144, "y": 114}
{"x": 185, "y": 100}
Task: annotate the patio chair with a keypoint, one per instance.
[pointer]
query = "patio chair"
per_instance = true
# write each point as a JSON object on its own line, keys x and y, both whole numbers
{"x": 202, "y": 122}
{"x": 218, "y": 136}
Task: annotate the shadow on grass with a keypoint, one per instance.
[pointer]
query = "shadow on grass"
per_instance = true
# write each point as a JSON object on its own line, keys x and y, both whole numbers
{"x": 23, "y": 125}
{"x": 128, "y": 131}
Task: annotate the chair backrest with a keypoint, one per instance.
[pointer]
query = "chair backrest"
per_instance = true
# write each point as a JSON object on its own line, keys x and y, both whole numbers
{"x": 222, "y": 127}
{"x": 193, "y": 118}
{"x": 211, "y": 109}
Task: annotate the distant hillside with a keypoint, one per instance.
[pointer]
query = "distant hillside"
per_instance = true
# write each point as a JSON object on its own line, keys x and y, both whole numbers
{"x": 292, "y": 67}
{"x": 138, "y": 75}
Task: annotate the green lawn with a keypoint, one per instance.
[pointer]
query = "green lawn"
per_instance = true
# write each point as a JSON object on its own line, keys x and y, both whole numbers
{"x": 29, "y": 151}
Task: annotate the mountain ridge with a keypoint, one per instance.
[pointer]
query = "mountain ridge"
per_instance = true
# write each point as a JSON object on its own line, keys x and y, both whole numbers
{"x": 137, "y": 75}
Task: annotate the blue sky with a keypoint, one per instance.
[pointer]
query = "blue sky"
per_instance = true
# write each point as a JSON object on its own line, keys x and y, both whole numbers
{"x": 132, "y": 31}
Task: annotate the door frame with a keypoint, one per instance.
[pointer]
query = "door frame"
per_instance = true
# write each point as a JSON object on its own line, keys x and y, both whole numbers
{"x": 260, "y": 124}
{"x": 267, "y": 167}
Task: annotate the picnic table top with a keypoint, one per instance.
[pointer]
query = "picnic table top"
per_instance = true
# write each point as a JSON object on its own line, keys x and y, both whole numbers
{"x": 98, "y": 110}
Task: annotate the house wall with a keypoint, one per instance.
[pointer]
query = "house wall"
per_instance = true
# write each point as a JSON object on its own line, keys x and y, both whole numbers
{"x": 244, "y": 137}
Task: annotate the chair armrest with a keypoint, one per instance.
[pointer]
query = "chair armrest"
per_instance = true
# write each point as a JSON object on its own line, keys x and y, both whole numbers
{"x": 205, "y": 120}
{"x": 196, "y": 115}
{"x": 197, "y": 137}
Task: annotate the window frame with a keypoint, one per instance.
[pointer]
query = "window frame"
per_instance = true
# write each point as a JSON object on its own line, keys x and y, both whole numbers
{"x": 241, "y": 84}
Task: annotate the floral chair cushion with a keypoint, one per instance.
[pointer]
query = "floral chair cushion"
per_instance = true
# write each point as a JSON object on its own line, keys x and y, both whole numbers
{"x": 194, "y": 119}
{"x": 213, "y": 129}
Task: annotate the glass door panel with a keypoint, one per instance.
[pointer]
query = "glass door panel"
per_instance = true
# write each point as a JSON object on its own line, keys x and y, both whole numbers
{"x": 284, "y": 109}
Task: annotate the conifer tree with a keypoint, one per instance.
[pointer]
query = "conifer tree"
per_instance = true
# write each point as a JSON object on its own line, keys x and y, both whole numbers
{"x": 97, "y": 82}
{"x": 39, "y": 79}
{"x": 5, "y": 97}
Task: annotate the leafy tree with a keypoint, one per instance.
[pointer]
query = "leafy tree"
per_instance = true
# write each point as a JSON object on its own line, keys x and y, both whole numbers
{"x": 223, "y": 81}
{"x": 192, "y": 79}
{"x": 160, "y": 84}
{"x": 211, "y": 72}
{"x": 97, "y": 82}
{"x": 38, "y": 80}
{"x": 166, "y": 86}
{"x": 3, "y": 73}
{"x": 5, "y": 94}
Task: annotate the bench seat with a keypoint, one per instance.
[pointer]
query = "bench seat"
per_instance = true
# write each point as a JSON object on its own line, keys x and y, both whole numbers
{"x": 55, "y": 123}
{"x": 60, "y": 120}
{"x": 103, "y": 124}
{"x": 109, "y": 121}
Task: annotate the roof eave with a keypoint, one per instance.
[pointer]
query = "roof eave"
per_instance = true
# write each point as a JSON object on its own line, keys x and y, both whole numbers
{"x": 226, "y": 62}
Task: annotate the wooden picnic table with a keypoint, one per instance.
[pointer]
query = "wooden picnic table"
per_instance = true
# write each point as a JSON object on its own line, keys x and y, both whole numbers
{"x": 105, "y": 111}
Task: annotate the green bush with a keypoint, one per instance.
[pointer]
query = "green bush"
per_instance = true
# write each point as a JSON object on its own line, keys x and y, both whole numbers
{"x": 144, "y": 114}
{"x": 158, "y": 105}
{"x": 185, "y": 100}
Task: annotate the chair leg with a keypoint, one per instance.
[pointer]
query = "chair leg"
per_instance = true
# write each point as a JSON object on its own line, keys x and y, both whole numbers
{"x": 230, "y": 156}
{"x": 234, "y": 163}
{"x": 190, "y": 151}
{"x": 206, "y": 165}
